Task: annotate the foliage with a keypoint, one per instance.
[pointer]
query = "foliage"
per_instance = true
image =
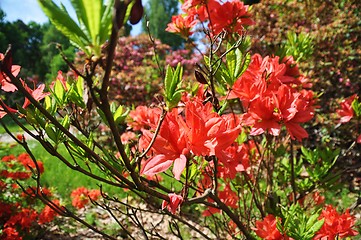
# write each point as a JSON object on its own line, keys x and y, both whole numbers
{"x": 229, "y": 151}
{"x": 94, "y": 23}
{"x": 159, "y": 14}
{"x": 139, "y": 67}
{"x": 334, "y": 28}
{"x": 51, "y": 58}
{"x": 35, "y": 48}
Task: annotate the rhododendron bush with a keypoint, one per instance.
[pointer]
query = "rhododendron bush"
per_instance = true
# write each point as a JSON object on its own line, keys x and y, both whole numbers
{"x": 21, "y": 214}
{"x": 222, "y": 154}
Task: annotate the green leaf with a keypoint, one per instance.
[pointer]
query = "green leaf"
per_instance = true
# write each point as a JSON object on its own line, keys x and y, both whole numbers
{"x": 168, "y": 81}
{"x": 66, "y": 122}
{"x": 95, "y": 21}
{"x": 64, "y": 23}
{"x": 245, "y": 64}
{"x": 177, "y": 78}
{"x": 356, "y": 106}
{"x": 89, "y": 14}
{"x": 49, "y": 105}
{"x": 50, "y": 132}
{"x": 59, "y": 92}
{"x": 237, "y": 70}
{"x": 106, "y": 22}
{"x": 316, "y": 227}
{"x": 231, "y": 60}
{"x": 171, "y": 83}
{"x": 120, "y": 114}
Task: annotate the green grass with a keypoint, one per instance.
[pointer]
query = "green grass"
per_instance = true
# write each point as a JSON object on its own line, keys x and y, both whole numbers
{"x": 12, "y": 126}
{"x": 57, "y": 175}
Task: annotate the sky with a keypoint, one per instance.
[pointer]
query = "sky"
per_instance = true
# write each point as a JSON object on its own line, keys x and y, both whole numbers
{"x": 29, "y": 10}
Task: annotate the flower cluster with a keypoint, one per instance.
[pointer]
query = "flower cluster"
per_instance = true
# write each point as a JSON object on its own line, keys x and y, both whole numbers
{"x": 230, "y": 16}
{"x": 8, "y": 86}
{"x": 82, "y": 196}
{"x": 267, "y": 228}
{"x": 273, "y": 96}
{"x": 347, "y": 111}
{"x": 201, "y": 132}
{"x": 336, "y": 225}
{"x": 17, "y": 218}
{"x": 19, "y": 168}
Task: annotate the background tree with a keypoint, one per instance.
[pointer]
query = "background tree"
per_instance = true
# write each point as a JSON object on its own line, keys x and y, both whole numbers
{"x": 51, "y": 57}
{"x": 34, "y": 47}
{"x": 160, "y": 13}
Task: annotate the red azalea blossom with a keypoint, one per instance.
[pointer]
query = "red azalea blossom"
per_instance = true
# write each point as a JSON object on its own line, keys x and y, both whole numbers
{"x": 169, "y": 147}
{"x": 230, "y": 16}
{"x": 207, "y": 132}
{"x": 173, "y": 205}
{"x": 128, "y": 137}
{"x": 144, "y": 117}
{"x": 336, "y": 225}
{"x": 199, "y": 9}
{"x": 267, "y": 93}
{"x": 346, "y": 112}
{"x": 202, "y": 132}
{"x": 80, "y": 196}
{"x": 3, "y": 112}
{"x": 28, "y": 163}
{"x": 232, "y": 160}
{"x": 182, "y": 25}
{"x": 5, "y": 81}
{"x": 10, "y": 233}
{"x": 38, "y": 94}
{"x": 24, "y": 219}
{"x": 48, "y": 214}
{"x": 267, "y": 228}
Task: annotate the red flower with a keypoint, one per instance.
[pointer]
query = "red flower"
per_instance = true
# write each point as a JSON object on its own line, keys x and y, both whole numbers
{"x": 230, "y": 16}
{"x": 199, "y": 9}
{"x": 169, "y": 147}
{"x": 346, "y": 112}
{"x": 28, "y": 163}
{"x": 81, "y": 196}
{"x": 267, "y": 229}
{"x": 173, "y": 205}
{"x": 48, "y": 214}
{"x": 37, "y": 94}
{"x": 24, "y": 219}
{"x": 127, "y": 137}
{"x": 263, "y": 116}
{"x": 5, "y": 81}
{"x": 10, "y": 233}
{"x": 144, "y": 118}
{"x": 182, "y": 25}
{"x": 208, "y": 133}
{"x": 270, "y": 100}
{"x": 8, "y": 158}
{"x": 6, "y": 210}
{"x": 336, "y": 225}
{"x": 232, "y": 160}
{"x": 3, "y": 112}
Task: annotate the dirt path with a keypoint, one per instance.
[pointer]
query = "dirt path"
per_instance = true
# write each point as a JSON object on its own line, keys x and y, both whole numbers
{"x": 6, "y": 138}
